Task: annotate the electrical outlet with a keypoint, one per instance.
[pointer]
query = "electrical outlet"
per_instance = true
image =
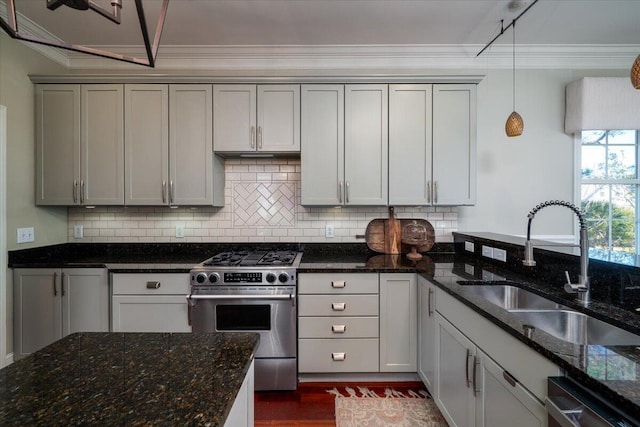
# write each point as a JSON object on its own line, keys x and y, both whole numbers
{"x": 500, "y": 254}
{"x": 26, "y": 235}
{"x": 180, "y": 231}
{"x": 78, "y": 231}
{"x": 469, "y": 246}
{"x": 487, "y": 251}
{"x": 329, "y": 231}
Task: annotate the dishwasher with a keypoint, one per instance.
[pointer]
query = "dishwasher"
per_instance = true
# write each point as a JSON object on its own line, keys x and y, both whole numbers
{"x": 572, "y": 405}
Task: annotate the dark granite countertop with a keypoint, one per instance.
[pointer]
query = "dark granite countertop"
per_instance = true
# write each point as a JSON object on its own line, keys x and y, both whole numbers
{"x": 101, "y": 379}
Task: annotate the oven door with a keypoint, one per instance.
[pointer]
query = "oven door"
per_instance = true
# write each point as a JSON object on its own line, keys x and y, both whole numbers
{"x": 271, "y": 313}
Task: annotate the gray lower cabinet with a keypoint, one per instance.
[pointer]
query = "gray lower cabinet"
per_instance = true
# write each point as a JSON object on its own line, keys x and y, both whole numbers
{"x": 398, "y": 322}
{"x": 242, "y": 411}
{"x": 427, "y": 333}
{"x": 50, "y": 303}
{"x": 150, "y": 302}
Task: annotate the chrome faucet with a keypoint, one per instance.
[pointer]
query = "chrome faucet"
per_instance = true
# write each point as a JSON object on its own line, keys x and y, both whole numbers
{"x": 582, "y": 288}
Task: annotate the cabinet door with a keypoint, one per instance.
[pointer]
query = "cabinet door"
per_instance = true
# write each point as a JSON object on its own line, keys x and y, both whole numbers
{"x": 37, "y": 309}
{"x": 427, "y": 344}
{"x": 322, "y": 144}
{"x": 144, "y": 313}
{"x": 501, "y": 399}
{"x": 366, "y": 144}
{"x": 85, "y": 300}
{"x": 454, "y": 144}
{"x": 410, "y": 144}
{"x": 102, "y": 145}
{"x": 455, "y": 396}
{"x": 278, "y": 118}
{"x": 398, "y": 322}
{"x": 234, "y": 118}
{"x": 191, "y": 145}
{"x": 57, "y": 144}
{"x": 146, "y": 112}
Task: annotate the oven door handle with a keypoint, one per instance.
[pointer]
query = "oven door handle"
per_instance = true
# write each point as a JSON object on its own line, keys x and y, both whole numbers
{"x": 280, "y": 297}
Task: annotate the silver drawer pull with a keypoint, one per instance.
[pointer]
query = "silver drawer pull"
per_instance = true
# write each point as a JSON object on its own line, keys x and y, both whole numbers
{"x": 153, "y": 285}
{"x": 338, "y": 284}
{"x": 338, "y": 306}
{"x": 339, "y": 329}
{"x": 338, "y": 357}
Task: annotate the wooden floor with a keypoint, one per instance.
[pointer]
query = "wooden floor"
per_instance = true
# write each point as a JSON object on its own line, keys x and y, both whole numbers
{"x": 311, "y": 404}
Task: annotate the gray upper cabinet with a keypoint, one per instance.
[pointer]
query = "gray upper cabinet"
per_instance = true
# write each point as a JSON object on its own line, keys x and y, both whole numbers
{"x": 250, "y": 118}
{"x": 432, "y": 144}
{"x": 454, "y": 144}
{"x": 81, "y": 126}
{"x": 322, "y": 150}
{"x": 168, "y": 140}
{"x": 344, "y": 145}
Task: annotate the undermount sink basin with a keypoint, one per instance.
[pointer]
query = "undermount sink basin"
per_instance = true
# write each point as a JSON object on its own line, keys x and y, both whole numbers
{"x": 509, "y": 297}
{"x": 575, "y": 327}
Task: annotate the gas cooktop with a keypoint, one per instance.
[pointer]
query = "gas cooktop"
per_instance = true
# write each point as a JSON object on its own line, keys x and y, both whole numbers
{"x": 252, "y": 259}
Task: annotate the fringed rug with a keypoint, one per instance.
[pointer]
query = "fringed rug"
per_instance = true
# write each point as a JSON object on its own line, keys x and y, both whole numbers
{"x": 394, "y": 409}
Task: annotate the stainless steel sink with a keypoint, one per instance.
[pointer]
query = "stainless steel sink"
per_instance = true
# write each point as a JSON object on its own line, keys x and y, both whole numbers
{"x": 509, "y": 297}
{"x": 576, "y": 327}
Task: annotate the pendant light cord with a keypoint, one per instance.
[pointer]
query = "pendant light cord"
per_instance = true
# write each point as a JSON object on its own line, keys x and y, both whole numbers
{"x": 513, "y": 24}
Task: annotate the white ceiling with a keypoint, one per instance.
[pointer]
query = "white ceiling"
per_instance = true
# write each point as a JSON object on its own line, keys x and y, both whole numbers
{"x": 197, "y": 23}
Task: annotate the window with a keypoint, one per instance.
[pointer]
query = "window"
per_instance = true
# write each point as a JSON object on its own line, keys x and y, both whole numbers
{"x": 609, "y": 187}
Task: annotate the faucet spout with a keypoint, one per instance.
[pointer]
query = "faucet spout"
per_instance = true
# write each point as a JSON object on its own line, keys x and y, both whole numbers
{"x": 582, "y": 288}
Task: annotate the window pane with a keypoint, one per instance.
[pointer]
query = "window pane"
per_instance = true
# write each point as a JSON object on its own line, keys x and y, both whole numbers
{"x": 594, "y": 137}
{"x": 623, "y": 235}
{"x": 623, "y": 201}
{"x": 622, "y": 162}
{"x": 627, "y": 137}
{"x": 598, "y": 233}
{"x": 593, "y": 162}
{"x": 595, "y": 200}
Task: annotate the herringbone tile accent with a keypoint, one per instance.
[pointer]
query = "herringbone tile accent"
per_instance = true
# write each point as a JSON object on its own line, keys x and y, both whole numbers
{"x": 264, "y": 204}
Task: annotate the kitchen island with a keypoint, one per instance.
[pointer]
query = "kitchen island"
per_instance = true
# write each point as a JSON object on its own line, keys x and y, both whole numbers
{"x": 161, "y": 379}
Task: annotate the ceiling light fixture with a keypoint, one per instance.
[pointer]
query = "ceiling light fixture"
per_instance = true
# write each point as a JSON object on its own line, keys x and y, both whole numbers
{"x": 635, "y": 73}
{"x": 11, "y": 27}
{"x": 514, "y": 125}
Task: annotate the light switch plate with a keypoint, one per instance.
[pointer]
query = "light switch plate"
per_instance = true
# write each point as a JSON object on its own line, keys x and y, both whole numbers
{"x": 26, "y": 235}
{"x": 180, "y": 231}
{"x": 329, "y": 231}
{"x": 78, "y": 231}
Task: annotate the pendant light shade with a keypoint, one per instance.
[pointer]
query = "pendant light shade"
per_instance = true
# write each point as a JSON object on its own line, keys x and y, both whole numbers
{"x": 635, "y": 73}
{"x": 515, "y": 124}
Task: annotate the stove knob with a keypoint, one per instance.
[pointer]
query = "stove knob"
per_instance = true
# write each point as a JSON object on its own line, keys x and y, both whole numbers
{"x": 283, "y": 277}
{"x": 201, "y": 277}
{"x": 214, "y": 277}
{"x": 271, "y": 277}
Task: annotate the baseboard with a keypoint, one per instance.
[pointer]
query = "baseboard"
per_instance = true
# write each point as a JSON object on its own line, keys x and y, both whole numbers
{"x": 360, "y": 377}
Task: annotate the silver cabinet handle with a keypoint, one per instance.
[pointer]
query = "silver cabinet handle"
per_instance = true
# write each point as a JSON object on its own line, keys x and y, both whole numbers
{"x": 164, "y": 191}
{"x": 153, "y": 285}
{"x": 466, "y": 367}
{"x": 75, "y": 191}
{"x": 429, "y": 304}
{"x": 171, "y": 191}
{"x": 252, "y": 137}
{"x": 476, "y": 362}
{"x": 55, "y": 284}
{"x": 62, "y": 284}
{"x": 82, "y": 190}
{"x": 339, "y": 306}
{"x": 435, "y": 191}
{"x": 338, "y": 357}
{"x": 347, "y": 191}
{"x": 338, "y": 283}
{"x": 340, "y": 189}
{"x": 259, "y": 137}
{"x": 428, "y": 191}
{"x": 339, "y": 329}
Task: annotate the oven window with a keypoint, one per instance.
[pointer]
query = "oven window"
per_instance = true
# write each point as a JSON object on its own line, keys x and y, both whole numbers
{"x": 243, "y": 317}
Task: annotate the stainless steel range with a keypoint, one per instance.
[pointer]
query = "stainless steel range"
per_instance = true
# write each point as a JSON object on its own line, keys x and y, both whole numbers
{"x": 251, "y": 291}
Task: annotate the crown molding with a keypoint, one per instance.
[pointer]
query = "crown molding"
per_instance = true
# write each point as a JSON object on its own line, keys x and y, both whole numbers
{"x": 367, "y": 57}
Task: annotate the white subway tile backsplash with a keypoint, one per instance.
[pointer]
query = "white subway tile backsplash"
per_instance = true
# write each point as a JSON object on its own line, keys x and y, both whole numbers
{"x": 262, "y": 204}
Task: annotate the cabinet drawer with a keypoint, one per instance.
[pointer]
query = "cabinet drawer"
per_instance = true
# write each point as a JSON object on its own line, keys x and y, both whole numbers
{"x": 328, "y": 355}
{"x": 339, "y": 283}
{"x": 338, "y": 305}
{"x": 338, "y": 327}
{"x": 150, "y": 284}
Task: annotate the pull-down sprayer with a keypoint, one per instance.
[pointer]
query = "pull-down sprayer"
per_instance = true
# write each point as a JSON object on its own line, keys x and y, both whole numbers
{"x": 582, "y": 288}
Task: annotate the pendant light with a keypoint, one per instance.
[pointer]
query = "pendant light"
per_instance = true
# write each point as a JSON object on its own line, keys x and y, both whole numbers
{"x": 635, "y": 73}
{"x": 514, "y": 125}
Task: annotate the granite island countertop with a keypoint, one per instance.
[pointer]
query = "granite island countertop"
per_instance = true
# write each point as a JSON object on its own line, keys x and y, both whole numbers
{"x": 100, "y": 379}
